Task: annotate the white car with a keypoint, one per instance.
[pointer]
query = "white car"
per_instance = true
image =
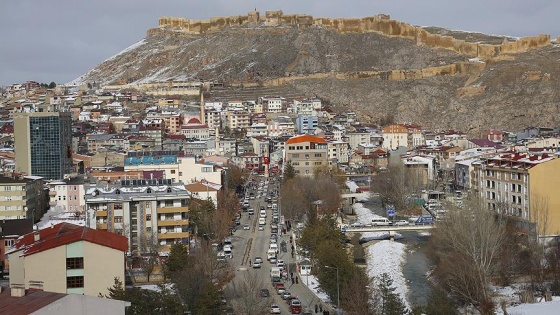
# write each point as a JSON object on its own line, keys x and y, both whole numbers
{"x": 246, "y": 227}
{"x": 400, "y": 223}
{"x": 258, "y": 259}
{"x": 256, "y": 265}
{"x": 274, "y": 309}
{"x": 280, "y": 263}
{"x": 261, "y": 227}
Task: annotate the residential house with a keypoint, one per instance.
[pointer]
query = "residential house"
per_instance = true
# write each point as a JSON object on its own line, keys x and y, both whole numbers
{"x": 238, "y": 120}
{"x": 248, "y": 161}
{"x": 307, "y": 124}
{"x": 80, "y": 260}
{"x": 22, "y": 197}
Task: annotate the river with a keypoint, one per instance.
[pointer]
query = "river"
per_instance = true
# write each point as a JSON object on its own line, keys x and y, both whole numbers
{"x": 417, "y": 263}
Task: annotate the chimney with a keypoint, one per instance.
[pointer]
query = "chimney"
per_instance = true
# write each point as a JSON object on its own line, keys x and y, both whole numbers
{"x": 38, "y": 285}
{"x": 36, "y": 236}
{"x": 202, "y": 109}
{"x": 17, "y": 290}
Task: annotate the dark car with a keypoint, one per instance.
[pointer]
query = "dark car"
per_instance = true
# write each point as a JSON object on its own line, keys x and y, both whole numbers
{"x": 265, "y": 293}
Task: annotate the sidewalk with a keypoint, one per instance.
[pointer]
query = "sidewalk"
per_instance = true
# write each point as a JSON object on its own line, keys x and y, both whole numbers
{"x": 304, "y": 286}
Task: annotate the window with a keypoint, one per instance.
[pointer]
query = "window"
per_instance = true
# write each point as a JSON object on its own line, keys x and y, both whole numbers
{"x": 118, "y": 219}
{"x": 319, "y": 155}
{"x": 295, "y": 156}
{"x": 148, "y": 217}
{"x": 75, "y": 282}
{"x": 172, "y": 171}
{"x": 8, "y": 243}
{"x": 75, "y": 263}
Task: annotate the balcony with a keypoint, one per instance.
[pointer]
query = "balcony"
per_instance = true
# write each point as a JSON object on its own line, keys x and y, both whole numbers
{"x": 173, "y": 235}
{"x": 100, "y": 213}
{"x": 172, "y": 209}
{"x": 101, "y": 226}
{"x": 173, "y": 222}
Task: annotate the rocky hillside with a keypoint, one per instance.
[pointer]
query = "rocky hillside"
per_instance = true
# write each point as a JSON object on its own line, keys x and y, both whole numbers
{"x": 380, "y": 76}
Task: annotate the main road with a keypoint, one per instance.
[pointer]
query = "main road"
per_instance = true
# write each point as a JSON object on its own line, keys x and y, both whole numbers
{"x": 252, "y": 243}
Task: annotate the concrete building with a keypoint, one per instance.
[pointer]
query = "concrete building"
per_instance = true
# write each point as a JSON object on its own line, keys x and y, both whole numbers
{"x": 67, "y": 195}
{"x": 307, "y": 123}
{"x": 186, "y": 169}
{"x": 43, "y": 143}
{"x": 68, "y": 258}
{"x": 423, "y": 167}
{"x": 238, "y": 120}
{"x": 306, "y": 153}
{"x": 406, "y": 135}
{"x": 339, "y": 151}
{"x": 523, "y": 186}
{"x": 194, "y": 129}
{"x": 22, "y": 198}
{"x": 152, "y": 212}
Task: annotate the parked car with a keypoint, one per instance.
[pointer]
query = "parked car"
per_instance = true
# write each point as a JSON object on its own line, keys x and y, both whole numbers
{"x": 256, "y": 265}
{"x": 295, "y": 306}
{"x": 246, "y": 227}
{"x": 258, "y": 259}
{"x": 265, "y": 293}
{"x": 286, "y": 295}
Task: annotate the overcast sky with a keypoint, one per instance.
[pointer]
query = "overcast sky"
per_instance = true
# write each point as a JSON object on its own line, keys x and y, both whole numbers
{"x": 58, "y": 40}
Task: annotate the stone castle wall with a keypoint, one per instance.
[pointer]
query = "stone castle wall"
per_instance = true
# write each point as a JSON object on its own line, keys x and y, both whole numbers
{"x": 380, "y": 23}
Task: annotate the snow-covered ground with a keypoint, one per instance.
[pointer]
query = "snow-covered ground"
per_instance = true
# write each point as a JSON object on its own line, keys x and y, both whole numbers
{"x": 543, "y": 308}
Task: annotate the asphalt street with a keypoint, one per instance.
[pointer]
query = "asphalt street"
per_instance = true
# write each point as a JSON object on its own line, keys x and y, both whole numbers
{"x": 251, "y": 243}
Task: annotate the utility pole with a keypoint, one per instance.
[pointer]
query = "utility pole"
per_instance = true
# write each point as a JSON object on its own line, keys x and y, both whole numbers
{"x": 337, "y": 290}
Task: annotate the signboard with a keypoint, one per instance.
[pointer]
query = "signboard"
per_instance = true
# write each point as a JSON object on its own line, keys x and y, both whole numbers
{"x": 266, "y": 160}
{"x": 391, "y": 211}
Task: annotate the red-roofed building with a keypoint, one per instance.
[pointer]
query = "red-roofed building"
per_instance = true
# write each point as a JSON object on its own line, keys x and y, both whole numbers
{"x": 18, "y": 300}
{"x": 307, "y": 153}
{"x": 68, "y": 258}
{"x": 194, "y": 129}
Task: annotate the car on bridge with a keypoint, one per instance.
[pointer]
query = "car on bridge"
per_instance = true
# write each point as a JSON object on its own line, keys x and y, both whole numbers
{"x": 400, "y": 223}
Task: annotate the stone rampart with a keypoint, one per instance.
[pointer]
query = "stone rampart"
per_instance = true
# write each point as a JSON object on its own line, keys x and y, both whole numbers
{"x": 380, "y": 23}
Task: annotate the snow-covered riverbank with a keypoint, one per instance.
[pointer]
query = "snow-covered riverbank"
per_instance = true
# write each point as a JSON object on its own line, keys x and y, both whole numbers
{"x": 384, "y": 256}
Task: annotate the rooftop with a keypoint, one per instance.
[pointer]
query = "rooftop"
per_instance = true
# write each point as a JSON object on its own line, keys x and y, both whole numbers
{"x": 67, "y": 233}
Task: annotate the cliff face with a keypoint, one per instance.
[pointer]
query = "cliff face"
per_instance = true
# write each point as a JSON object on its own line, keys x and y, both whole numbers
{"x": 376, "y": 66}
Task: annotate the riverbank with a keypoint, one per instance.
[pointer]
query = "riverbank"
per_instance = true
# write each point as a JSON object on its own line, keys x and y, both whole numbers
{"x": 383, "y": 256}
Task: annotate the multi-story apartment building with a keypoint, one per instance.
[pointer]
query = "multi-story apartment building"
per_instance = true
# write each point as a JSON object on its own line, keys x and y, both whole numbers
{"x": 43, "y": 143}
{"x": 400, "y": 135}
{"x": 523, "y": 186}
{"x": 153, "y": 128}
{"x": 281, "y": 126}
{"x": 306, "y": 153}
{"x": 272, "y": 104}
{"x": 80, "y": 260}
{"x": 186, "y": 169}
{"x": 22, "y": 198}
{"x": 307, "y": 123}
{"x": 213, "y": 119}
{"x": 172, "y": 121}
{"x": 339, "y": 152}
{"x": 257, "y": 129}
{"x": 247, "y": 160}
{"x": 356, "y": 138}
{"x": 194, "y": 129}
{"x": 152, "y": 212}
{"x": 238, "y": 120}
{"x": 67, "y": 195}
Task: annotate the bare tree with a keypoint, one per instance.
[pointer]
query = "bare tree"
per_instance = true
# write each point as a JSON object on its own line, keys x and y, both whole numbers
{"x": 397, "y": 186}
{"x": 537, "y": 248}
{"x": 467, "y": 245}
{"x": 150, "y": 248}
{"x": 246, "y": 294}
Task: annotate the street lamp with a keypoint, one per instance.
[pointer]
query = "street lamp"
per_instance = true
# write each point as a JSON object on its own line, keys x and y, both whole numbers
{"x": 337, "y": 290}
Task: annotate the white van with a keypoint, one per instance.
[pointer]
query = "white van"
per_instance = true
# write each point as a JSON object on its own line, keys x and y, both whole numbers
{"x": 262, "y": 214}
{"x": 273, "y": 247}
{"x": 262, "y": 221}
{"x": 270, "y": 254}
{"x": 380, "y": 222}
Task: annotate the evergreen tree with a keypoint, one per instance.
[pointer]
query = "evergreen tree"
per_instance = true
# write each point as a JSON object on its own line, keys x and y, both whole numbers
{"x": 52, "y": 85}
{"x": 389, "y": 302}
{"x": 290, "y": 172}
